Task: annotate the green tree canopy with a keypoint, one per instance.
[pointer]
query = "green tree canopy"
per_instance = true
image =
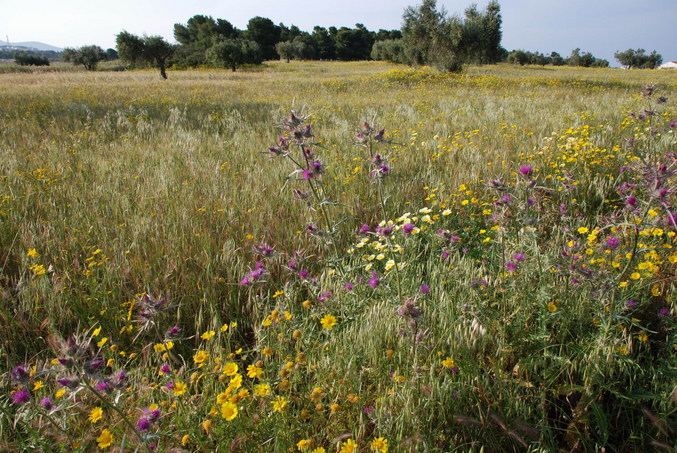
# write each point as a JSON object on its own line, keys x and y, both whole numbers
{"x": 150, "y": 50}
{"x": 430, "y": 37}
{"x": 231, "y": 53}
{"x": 88, "y": 56}
{"x": 266, "y": 34}
{"x": 638, "y": 59}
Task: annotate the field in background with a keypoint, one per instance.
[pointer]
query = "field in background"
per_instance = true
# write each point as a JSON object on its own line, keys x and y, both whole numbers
{"x": 118, "y": 184}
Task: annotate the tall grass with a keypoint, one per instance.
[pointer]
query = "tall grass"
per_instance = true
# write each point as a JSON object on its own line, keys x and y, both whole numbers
{"x": 118, "y": 185}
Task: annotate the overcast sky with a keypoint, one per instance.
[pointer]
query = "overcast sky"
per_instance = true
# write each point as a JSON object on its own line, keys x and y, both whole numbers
{"x": 597, "y": 26}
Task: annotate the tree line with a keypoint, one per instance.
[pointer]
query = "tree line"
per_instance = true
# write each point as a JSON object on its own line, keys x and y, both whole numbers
{"x": 577, "y": 58}
{"x": 429, "y": 36}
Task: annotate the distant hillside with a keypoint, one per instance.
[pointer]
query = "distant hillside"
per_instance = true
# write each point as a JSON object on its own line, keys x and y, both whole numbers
{"x": 32, "y": 45}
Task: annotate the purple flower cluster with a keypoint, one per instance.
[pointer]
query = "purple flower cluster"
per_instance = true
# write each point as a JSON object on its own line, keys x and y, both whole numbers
{"x": 254, "y": 275}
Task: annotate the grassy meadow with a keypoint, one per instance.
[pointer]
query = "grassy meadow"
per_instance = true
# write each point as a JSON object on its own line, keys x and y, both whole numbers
{"x": 245, "y": 261}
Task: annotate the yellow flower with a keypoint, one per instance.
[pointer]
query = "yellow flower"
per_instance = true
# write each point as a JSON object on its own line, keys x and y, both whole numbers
{"x": 105, "y": 439}
{"x": 95, "y": 415}
{"x": 179, "y": 388}
{"x": 348, "y": 446}
{"x": 379, "y": 444}
{"x": 208, "y": 335}
{"x": 328, "y": 322}
{"x": 316, "y": 395}
{"x": 159, "y": 347}
{"x": 228, "y": 411}
{"x": 38, "y": 385}
{"x": 268, "y": 352}
{"x": 60, "y": 393}
{"x": 552, "y": 307}
{"x": 33, "y": 253}
{"x": 38, "y": 269}
{"x": 102, "y": 342}
{"x": 235, "y": 381}
{"x": 262, "y": 390}
{"x": 635, "y": 276}
{"x": 582, "y": 230}
{"x": 206, "y": 425}
{"x": 319, "y": 450}
{"x": 254, "y": 372}
{"x": 200, "y": 357}
{"x": 185, "y": 440}
{"x": 448, "y": 362}
{"x": 230, "y": 368}
{"x": 224, "y": 327}
{"x": 304, "y": 444}
{"x": 96, "y": 332}
{"x": 279, "y": 404}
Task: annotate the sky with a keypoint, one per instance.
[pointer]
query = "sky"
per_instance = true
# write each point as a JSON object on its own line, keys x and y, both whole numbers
{"x": 601, "y": 27}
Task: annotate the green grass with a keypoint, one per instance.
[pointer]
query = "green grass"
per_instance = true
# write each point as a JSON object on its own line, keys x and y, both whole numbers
{"x": 125, "y": 184}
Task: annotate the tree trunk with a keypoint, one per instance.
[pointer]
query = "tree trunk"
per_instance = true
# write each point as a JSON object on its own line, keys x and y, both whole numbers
{"x": 163, "y": 72}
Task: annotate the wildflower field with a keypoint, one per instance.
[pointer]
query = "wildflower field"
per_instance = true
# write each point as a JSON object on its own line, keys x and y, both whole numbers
{"x": 338, "y": 257}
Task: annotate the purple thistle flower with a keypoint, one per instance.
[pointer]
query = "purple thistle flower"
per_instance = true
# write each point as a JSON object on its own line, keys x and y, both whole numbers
{"x": 104, "y": 386}
{"x": 307, "y": 174}
{"x": 19, "y": 374}
{"x": 68, "y": 363}
{"x": 672, "y": 124}
{"x": 304, "y": 273}
{"x": 68, "y": 383}
{"x": 165, "y": 368}
{"x": 631, "y": 303}
{"x": 91, "y": 366}
{"x": 300, "y": 195}
{"x": 445, "y": 254}
{"x": 632, "y": 201}
{"x": 364, "y": 228}
{"x": 173, "y": 332}
{"x": 511, "y": 266}
{"x": 46, "y": 403}
{"x": 317, "y": 167}
{"x": 664, "y": 312}
{"x": 612, "y": 242}
{"x": 408, "y": 228}
{"x": 348, "y": 286}
{"x": 526, "y": 170}
{"x": 374, "y": 282}
{"x": 143, "y": 424}
{"x": 21, "y": 396}
{"x": 380, "y": 136}
{"x": 425, "y": 289}
{"x": 384, "y": 231}
{"x": 518, "y": 256}
{"x": 264, "y": 249}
